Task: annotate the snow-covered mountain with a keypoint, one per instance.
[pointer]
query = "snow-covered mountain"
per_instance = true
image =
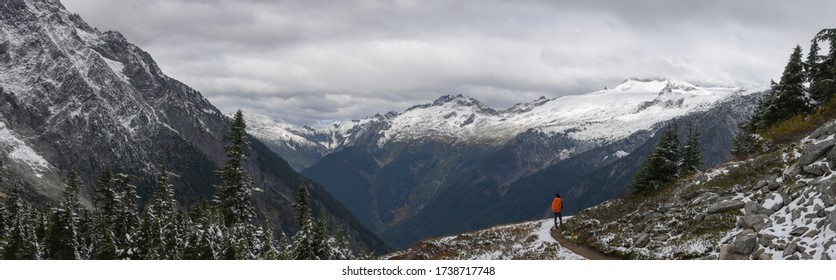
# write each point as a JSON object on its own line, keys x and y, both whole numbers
{"x": 600, "y": 117}
{"x": 76, "y": 98}
{"x": 397, "y": 172}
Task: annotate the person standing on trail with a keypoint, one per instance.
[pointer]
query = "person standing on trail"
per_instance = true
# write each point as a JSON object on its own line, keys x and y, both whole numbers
{"x": 557, "y": 208}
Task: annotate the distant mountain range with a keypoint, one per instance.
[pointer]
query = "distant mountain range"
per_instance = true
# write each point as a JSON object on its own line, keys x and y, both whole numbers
{"x": 455, "y": 164}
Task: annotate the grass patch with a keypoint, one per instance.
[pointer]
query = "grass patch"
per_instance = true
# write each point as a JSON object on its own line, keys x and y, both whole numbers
{"x": 798, "y": 126}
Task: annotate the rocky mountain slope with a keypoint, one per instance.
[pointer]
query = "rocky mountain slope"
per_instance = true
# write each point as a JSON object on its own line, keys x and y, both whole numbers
{"x": 401, "y": 173}
{"x": 778, "y": 205}
{"x": 74, "y": 97}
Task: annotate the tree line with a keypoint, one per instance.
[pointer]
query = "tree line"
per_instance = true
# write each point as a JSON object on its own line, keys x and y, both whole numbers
{"x": 115, "y": 228}
{"x": 805, "y": 84}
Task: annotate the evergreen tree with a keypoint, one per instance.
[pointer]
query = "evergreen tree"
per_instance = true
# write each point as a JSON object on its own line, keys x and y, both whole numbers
{"x": 108, "y": 207}
{"x": 302, "y": 206}
{"x": 823, "y": 77}
{"x": 85, "y": 235}
{"x": 661, "y": 166}
{"x": 128, "y": 220}
{"x": 62, "y": 234}
{"x": 321, "y": 246}
{"x": 691, "y": 160}
{"x": 303, "y": 245}
{"x": 283, "y": 248}
{"x": 233, "y": 196}
{"x": 267, "y": 247}
{"x": 342, "y": 251}
{"x": 161, "y": 229}
{"x": 202, "y": 233}
{"x": 790, "y": 99}
{"x": 303, "y": 240}
{"x": 21, "y": 243}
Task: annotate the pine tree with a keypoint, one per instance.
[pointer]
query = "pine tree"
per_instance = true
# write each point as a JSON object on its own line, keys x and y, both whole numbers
{"x": 661, "y": 166}
{"x": 267, "y": 247}
{"x": 127, "y": 223}
{"x": 321, "y": 246}
{"x": 342, "y": 250}
{"x": 62, "y": 234}
{"x": 303, "y": 245}
{"x": 85, "y": 235}
{"x": 21, "y": 240}
{"x": 233, "y": 196}
{"x": 202, "y": 233}
{"x": 303, "y": 240}
{"x": 303, "y": 209}
{"x": 108, "y": 208}
{"x": 790, "y": 99}
{"x": 823, "y": 78}
{"x": 691, "y": 160}
{"x": 283, "y": 248}
{"x": 161, "y": 238}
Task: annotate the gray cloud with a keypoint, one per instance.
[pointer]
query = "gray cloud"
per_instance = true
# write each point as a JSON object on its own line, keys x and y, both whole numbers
{"x": 309, "y": 61}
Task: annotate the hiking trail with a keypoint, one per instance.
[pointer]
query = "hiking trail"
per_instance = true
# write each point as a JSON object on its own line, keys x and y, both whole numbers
{"x": 584, "y": 251}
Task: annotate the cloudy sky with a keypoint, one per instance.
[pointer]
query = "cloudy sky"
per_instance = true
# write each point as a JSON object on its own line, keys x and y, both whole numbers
{"x": 310, "y": 62}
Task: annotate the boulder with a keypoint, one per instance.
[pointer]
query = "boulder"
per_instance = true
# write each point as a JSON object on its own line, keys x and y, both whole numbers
{"x": 824, "y": 131}
{"x": 727, "y": 254}
{"x": 744, "y": 244}
{"x": 765, "y": 256}
{"x": 774, "y": 202}
{"x": 751, "y": 207}
{"x": 724, "y": 206}
{"x": 815, "y": 152}
{"x": 799, "y": 231}
{"x": 816, "y": 169}
{"x": 773, "y": 185}
{"x": 756, "y": 222}
{"x": 790, "y": 249}
{"x": 812, "y": 233}
{"x": 641, "y": 239}
{"x": 761, "y": 185}
{"x": 780, "y": 220}
{"x": 787, "y": 199}
{"x": 661, "y": 238}
{"x": 765, "y": 240}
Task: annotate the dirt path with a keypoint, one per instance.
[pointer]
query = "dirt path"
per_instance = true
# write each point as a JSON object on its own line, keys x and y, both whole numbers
{"x": 584, "y": 251}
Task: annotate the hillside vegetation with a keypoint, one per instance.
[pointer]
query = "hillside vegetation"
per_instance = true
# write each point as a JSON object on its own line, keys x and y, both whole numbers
{"x": 774, "y": 201}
